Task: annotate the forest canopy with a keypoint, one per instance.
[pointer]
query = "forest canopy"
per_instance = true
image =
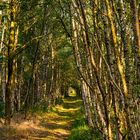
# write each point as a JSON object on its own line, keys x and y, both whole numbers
{"x": 91, "y": 46}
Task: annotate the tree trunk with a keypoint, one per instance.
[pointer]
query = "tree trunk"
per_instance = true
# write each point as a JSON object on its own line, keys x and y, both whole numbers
{"x": 8, "y": 94}
{"x": 3, "y": 66}
{"x": 136, "y": 30}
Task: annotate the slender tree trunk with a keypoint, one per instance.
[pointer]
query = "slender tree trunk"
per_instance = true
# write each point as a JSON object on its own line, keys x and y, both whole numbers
{"x": 14, "y": 75}
{"x": 3, "y": 66}
{"x": 8, "y": 94}
{"x": 85, "y": 94}
{"x": 136, "y": 30}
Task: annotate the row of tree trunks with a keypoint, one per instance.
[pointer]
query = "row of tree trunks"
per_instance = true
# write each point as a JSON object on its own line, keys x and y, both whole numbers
{"x": 21, "y": 88}
{"x": 110, "y": 64}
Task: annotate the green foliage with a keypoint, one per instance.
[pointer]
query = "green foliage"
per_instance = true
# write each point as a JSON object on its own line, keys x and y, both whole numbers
{"x": 80, "y": 121}
{"x": 2, "y": 58}
{"x": 59, "y": 101}
{"x": 43, "y": 106}
{"x": 3, "y": 6}
{"x": 136, "y": 89}
{"x": 64, "y": 53}
{"x": 1, "y": 108}
{"x": 40, "y": 107}
{"x": 81, "y": 131}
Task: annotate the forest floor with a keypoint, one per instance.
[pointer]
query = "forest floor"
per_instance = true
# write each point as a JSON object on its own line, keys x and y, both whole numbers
{"x": 53, "y": 125}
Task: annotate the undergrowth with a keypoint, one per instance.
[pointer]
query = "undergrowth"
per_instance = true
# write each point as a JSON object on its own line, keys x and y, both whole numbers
{"x": 43, "y": 106}
{"x": 81, "y": 131}
{"x": 1, "y": 108}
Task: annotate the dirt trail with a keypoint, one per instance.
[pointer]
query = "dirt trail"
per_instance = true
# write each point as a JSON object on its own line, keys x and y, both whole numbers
{"x": 55, "y": 125}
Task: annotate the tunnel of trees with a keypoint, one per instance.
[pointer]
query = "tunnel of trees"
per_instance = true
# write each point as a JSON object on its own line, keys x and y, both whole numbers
{"x": 93, "y": 46}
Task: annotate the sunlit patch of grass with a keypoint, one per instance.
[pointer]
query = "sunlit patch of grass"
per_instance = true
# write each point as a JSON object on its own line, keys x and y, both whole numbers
{"x": 72, "y": 102}
{"x": 80, "y": 129}
{"x": 61, "y": 109}
{"x": 55, "y": 124}
{"x": 61, "y": 131}
{"x": 36, "y": 138}
{"x": 60, "y": 122}
{"x": 80, "y": 133}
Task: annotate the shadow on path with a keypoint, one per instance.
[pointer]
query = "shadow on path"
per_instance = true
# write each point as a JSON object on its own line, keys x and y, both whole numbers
{"x": 55, "y": 125}
{"x": 58, "y": 123}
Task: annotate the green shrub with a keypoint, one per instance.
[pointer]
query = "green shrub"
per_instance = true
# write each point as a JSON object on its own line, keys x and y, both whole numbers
{"x": 80, "y": 130}
{"x": 40, "y": 107}
{"x": 59, "y": 101}
{"x": 81, "y": 133}
{"x": 1, "y": 108}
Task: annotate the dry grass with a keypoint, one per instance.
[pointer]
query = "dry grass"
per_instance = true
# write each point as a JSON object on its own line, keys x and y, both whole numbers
{"x": 55, "y": 125}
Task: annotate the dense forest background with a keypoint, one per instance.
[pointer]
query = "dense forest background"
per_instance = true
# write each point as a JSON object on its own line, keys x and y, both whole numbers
{"x": 92, "y": 46}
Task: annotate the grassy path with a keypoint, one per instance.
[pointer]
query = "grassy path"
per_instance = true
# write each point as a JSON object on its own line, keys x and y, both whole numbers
{"x": 55, "y": 125}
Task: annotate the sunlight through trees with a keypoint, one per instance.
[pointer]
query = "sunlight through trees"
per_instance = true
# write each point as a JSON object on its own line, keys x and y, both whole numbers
{"x": 55, "y": 50}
